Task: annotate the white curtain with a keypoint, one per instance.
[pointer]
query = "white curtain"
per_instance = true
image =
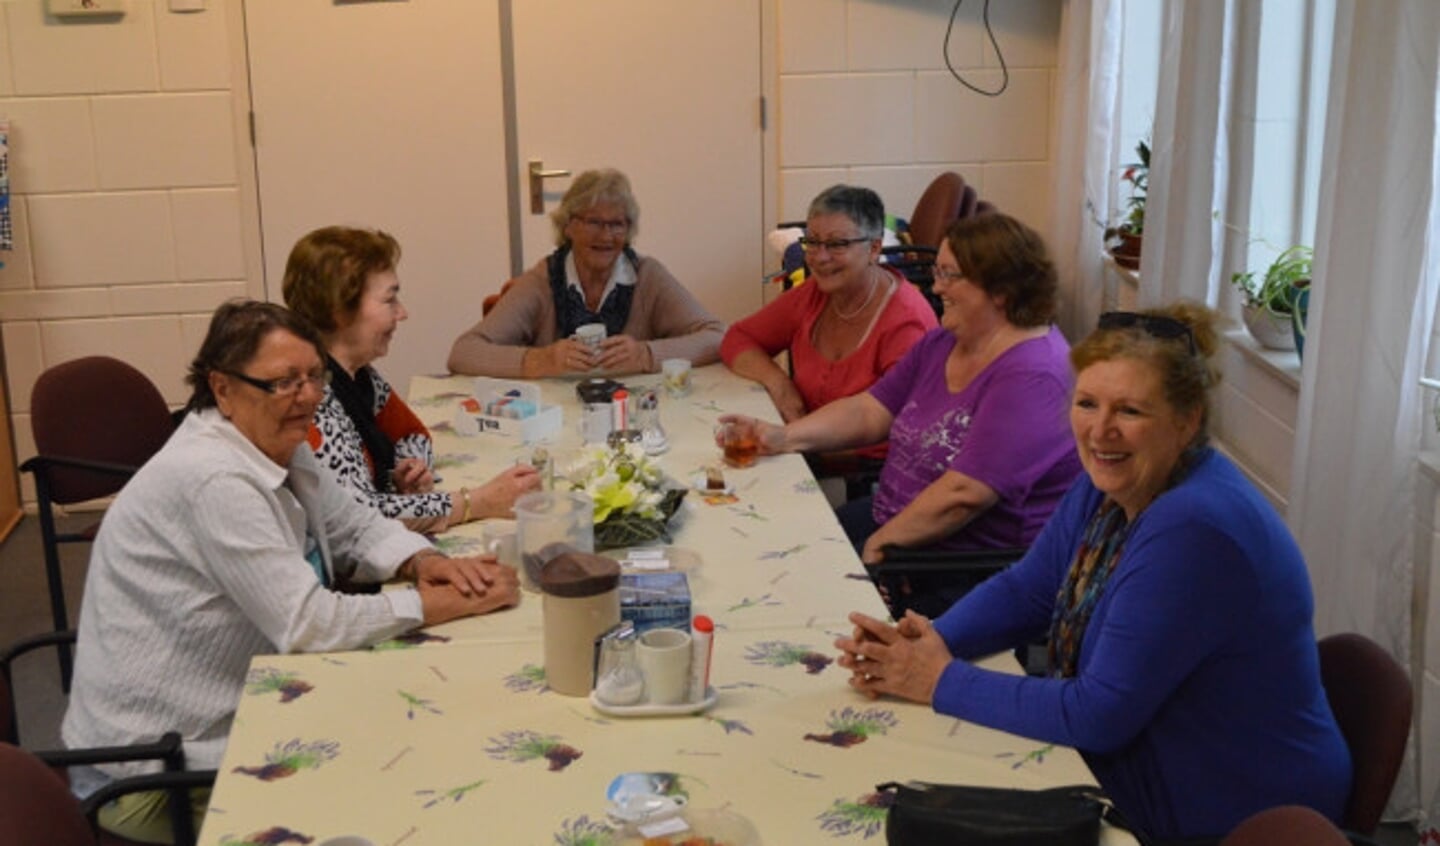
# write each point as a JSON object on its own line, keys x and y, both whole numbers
{"x": 1184, "y": 238}
{"x": 1086, "y": 150}
{"x": 1354, "y": 491}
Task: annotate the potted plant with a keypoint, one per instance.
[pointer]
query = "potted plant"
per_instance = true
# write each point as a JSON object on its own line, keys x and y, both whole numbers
{"x": 1270, "y": 299}
{"x": 1124, "y": 240}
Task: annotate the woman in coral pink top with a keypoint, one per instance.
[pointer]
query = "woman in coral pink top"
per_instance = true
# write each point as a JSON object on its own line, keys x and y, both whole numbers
{"x": 846, "y": 326}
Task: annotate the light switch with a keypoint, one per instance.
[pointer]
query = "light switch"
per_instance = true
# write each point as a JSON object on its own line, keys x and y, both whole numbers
{"x": 84, "y": 8}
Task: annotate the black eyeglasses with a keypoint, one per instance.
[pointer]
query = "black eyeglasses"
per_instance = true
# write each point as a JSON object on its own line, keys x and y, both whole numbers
{"x": 1155, "y": 325}
{"x": 286, "y": 385}
{"x": 835, "y": 245}
{"x": 602, "y": 225}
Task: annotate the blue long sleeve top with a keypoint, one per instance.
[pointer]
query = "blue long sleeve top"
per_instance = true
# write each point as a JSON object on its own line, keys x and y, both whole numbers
{"x": 1197, "y": 700}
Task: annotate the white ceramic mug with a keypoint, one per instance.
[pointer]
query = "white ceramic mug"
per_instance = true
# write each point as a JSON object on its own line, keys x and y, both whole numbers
{"x": 591, "y": 334}
{"x": 664, "y": 659}
{"x": 499, "y": 539}
{"x": 676, "y": 376}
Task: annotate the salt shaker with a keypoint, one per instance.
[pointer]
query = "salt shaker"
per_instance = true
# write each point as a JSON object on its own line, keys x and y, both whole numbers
{"x": 652, "y": 434}
{"x": 619, "y": 681}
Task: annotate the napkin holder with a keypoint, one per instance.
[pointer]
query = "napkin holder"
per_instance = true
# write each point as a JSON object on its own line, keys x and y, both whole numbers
{"x": 507, "y": 409}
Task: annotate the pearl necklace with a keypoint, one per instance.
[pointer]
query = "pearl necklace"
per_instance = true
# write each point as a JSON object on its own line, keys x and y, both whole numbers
{"x": 856, "y": 313}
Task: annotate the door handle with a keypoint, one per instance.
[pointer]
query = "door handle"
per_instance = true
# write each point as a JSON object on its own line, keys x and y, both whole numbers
{"x": 538, "y": 175}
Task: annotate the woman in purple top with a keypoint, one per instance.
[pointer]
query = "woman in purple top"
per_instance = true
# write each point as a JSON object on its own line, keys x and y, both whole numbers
{"x": 980, "y": 452}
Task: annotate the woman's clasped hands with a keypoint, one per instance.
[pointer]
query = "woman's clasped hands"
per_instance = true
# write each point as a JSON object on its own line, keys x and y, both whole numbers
{"x": 619, "y": 354}
{"x": 904, "y": 660}
{"x": 457, "y": 587}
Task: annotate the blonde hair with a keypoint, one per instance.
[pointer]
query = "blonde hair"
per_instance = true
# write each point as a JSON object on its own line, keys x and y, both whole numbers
{"x": 591, "y": 188}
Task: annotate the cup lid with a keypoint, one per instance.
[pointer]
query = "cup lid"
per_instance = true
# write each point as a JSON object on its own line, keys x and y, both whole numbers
{"x": 597, "y": 390}
{"x": 579, "y": 574}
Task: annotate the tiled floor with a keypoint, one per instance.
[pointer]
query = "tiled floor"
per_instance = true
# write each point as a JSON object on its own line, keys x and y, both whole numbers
{"x": 25, "y": 610}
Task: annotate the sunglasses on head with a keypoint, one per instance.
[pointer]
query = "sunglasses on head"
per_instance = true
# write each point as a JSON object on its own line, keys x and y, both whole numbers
{"x": 1154, "y": 325}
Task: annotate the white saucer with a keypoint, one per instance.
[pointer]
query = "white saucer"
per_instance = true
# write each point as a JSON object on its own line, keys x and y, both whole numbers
{"x": 648, "y": 710}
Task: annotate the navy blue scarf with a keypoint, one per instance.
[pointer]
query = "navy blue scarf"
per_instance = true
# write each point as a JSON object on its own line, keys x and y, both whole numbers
{"x": 570, "y": 309}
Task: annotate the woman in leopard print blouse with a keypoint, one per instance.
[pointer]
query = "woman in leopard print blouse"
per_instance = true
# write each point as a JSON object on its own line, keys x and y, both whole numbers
{"x": 343, "y": 280}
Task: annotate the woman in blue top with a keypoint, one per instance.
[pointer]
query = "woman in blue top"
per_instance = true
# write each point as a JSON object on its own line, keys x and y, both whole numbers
{"x": 1183, "y": 662}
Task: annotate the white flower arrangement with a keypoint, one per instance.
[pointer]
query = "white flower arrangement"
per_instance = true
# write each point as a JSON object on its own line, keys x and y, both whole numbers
{"x": 632, "y": 503}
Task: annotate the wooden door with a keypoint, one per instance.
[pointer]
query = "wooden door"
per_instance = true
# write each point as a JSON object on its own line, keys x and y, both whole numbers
{"x": 393, "y": 115}
{"x": 386, "y": 115}
{"x": 669, "y": 93}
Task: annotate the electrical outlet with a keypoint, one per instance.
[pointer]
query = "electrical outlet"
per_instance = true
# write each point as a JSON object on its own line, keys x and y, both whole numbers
{"x": 84, "y": 8}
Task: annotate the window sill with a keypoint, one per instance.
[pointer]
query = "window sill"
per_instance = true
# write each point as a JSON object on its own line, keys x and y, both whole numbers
{"x": 1282, "y": 364}
{"x": 1430, "y": 465}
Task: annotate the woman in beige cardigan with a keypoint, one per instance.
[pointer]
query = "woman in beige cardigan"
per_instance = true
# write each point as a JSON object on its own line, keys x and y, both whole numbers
{"x": 593, "y": 277}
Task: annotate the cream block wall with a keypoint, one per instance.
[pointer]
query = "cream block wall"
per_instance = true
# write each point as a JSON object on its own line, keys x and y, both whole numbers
{"x": 126, "y": 191}
{"x": 865, "y": 98}
{"x": 134, "y": 217}
{"x": 1256, "y": 407}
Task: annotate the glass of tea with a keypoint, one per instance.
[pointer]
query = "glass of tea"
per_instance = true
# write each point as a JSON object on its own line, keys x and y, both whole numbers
{"x": 741, "y": 443}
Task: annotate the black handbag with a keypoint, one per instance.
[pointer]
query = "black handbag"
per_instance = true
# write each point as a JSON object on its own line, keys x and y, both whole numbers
{"x": 925, "y": 814}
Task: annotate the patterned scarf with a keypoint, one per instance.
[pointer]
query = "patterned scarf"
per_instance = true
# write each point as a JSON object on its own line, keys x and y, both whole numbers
{"x": 1095, "y": 560}
{"x": 357, "y": 397}
{"x": 570, "y": 309}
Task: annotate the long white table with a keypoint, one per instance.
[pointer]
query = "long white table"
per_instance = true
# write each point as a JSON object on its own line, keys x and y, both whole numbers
{"x": 452, "y": 737}
{"x": 775, "y": 557}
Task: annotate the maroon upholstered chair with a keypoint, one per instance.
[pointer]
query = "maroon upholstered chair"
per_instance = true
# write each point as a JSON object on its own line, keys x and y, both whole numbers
{"x": 36, "y": 806}
{"x": 95, "y": 421}
{"x": 1287, "y": 825}
{"x": 38, "y": 809}
{"x": 1372, "y": 699}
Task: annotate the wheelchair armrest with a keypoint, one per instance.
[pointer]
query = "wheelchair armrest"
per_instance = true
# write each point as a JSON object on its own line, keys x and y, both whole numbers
{"x": 945, "y": 575}
{"x": 905, "y": 250}
{"x": 899, "y": 559}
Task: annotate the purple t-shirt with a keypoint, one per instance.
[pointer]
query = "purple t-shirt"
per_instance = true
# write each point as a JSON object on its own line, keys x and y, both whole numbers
{"x": 1009, "y": 428}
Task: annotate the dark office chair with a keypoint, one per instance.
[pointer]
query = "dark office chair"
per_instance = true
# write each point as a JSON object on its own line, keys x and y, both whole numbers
{"x": 95, "y": 421}
{"x": 946, "y": 200}
{"x": 1287, "y": 825}
{"x": 1371, "y": 697}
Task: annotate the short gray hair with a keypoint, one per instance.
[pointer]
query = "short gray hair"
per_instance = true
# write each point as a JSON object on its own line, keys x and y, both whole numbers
{"x": 863, "y": 206}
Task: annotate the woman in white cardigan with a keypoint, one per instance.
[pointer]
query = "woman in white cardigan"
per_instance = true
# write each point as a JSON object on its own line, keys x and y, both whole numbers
{"x": 230, "y": 543}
